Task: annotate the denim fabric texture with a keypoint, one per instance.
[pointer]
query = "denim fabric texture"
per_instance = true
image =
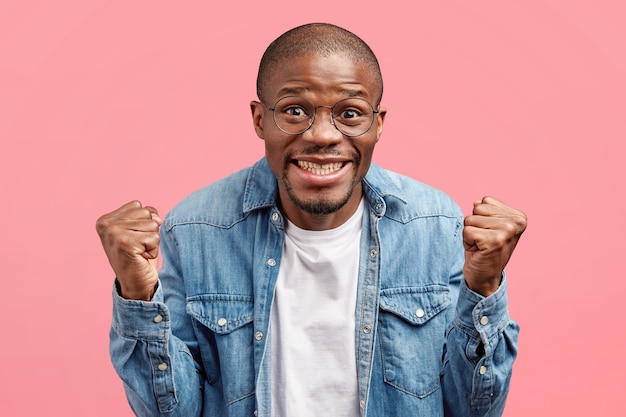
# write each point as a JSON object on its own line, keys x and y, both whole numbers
{"x": 426, "y": 345}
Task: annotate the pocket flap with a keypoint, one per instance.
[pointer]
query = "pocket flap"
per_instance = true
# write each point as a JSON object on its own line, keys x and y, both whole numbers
{"x": 221, "y": 313}
{"x": 416, "y": 305}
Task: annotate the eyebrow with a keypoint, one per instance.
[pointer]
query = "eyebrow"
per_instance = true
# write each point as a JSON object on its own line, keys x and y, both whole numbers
{"x": 296, "y": 91}
{"x": 292, "y": 91}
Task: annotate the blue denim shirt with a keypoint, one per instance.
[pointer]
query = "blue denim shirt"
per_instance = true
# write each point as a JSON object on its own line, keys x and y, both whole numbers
{"x": 425, "y": 344}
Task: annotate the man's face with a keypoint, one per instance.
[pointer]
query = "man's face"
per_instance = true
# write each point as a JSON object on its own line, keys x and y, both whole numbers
{"x": 319, "y": 172}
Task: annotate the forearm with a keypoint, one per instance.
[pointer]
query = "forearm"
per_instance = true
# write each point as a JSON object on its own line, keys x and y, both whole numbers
{"x": 481, "y": 349}
{"x": 158, "y": 370}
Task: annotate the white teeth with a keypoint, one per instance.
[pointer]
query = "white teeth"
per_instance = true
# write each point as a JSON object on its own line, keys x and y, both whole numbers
{"x": 320, "y": 169}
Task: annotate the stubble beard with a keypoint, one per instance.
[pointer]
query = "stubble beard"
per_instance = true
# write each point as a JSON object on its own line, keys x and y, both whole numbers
{"x": 319, "y": 207}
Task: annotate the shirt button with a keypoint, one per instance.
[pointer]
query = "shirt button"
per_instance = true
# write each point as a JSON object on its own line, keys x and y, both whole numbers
{"x": 222, "y": 322}
{"x": 258, "y": 335}
{"x": 256, "y": 412}
{"x": 275, "y": 216}
{"x": 162, "y": 366}
{"x": 361, "y": 403}
{"x": 271, "y": 262}
{"x": 378, "y": 207}
{"x": 367, "y": 329}
{"x": 482, "y": 370}
{"x": 419, "y": 313}
{"x": 373, "y": 253}
{"x": 158, "y": 318}
{"x": 484, "y": 320}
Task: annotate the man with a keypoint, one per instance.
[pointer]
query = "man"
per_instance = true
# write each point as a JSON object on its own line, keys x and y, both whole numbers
{"x": 314, "y": 283}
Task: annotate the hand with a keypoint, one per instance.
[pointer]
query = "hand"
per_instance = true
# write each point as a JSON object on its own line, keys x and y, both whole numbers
{"x": 130, "y": 238}
{"x": 490, "y": 235}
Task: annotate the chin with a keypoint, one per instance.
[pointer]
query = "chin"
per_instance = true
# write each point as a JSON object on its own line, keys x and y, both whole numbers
{"x": 319, "y": 206}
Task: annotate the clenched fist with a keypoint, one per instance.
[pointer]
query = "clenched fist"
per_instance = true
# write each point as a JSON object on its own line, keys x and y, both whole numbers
{"x": 130, "y": 238}
{"x": 490, "y": 235}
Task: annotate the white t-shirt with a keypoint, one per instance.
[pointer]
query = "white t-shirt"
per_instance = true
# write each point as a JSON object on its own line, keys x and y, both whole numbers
{"x": 313, "y": 322}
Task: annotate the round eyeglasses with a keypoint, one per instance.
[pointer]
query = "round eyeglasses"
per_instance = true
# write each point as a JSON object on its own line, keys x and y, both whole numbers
{"x": 295, "y": 115}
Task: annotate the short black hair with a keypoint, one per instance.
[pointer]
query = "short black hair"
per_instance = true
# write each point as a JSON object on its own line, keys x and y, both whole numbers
{"x": 316, "y": 38}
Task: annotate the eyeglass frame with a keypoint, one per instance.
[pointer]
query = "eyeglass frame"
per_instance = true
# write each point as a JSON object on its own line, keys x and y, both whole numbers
{"x": 375, "y": 111}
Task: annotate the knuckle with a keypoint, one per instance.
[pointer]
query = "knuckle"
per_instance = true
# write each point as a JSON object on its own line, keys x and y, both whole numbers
{"x": 523, "y": 220}
{"x": 100, "y": 226}
{"x": 499, "y": 239}
{"x": 510, "y": 229}
{"x": 103, "y": 223}
{"x": 155, "y": 238}
{"x": 153, "y": 225}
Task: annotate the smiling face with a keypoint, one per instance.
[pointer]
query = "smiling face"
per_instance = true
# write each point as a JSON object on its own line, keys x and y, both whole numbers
{"x": 319, "y": 171}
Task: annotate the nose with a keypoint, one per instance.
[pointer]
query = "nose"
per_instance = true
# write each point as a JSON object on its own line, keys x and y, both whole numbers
{"x": 323, "y": 131}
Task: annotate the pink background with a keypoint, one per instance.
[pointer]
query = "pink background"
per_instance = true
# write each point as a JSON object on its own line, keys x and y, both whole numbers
{"x": 106, "y": 101}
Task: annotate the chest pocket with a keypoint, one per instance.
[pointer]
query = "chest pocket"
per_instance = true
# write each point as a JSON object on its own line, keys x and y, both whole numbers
{"x": 412, "y": 326}
{"x": 224, "y": 329}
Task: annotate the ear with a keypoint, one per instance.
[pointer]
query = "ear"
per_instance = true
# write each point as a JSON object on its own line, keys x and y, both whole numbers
{"x": 380, "y": 119}
{"x": 258, "y": 109}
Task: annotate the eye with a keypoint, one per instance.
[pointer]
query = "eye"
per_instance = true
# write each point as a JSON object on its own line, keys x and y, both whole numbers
{"x": 349, "y": 114}
{"x": 295, "y": 111}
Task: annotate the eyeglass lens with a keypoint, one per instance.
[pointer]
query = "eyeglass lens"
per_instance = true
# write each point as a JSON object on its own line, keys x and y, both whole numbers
{"x": 295, "y": 114}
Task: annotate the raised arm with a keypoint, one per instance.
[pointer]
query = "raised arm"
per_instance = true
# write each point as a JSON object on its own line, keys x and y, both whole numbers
{"x": 160, "y": 375}
{"x": 482, "y": 340}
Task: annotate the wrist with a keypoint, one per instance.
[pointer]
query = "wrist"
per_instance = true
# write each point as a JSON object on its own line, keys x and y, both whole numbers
{"x": 484, "y": 287}
{"x": 139, "y": 294}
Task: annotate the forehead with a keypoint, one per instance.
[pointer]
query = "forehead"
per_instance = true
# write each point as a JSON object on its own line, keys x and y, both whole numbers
{"x": 316, "y": 76}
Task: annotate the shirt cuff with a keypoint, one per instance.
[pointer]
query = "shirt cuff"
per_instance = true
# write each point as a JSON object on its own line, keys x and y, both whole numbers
{"x": 141, "y": 320}
{"x": 486, "y": 315}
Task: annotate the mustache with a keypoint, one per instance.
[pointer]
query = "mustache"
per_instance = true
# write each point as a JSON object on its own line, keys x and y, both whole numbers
{"x": 315, "y": 150}
{"x": 326, "y": 151}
